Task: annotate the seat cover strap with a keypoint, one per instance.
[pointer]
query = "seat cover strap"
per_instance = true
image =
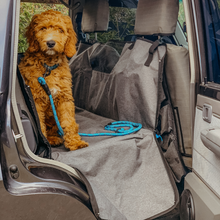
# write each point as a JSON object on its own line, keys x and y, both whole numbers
{"x": 153, "y": 47}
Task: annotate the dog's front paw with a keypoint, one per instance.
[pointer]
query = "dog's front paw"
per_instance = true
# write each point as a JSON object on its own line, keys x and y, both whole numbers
{"x": 74, "y": 145}
{"x": 54, "y": 140}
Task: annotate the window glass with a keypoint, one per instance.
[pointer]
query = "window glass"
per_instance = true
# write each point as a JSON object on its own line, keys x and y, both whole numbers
{"x": 211, "y": 16}
{"x": 27, "y": 10}
{"x": 181, "y": 15}
{"x": 121, "y": 24}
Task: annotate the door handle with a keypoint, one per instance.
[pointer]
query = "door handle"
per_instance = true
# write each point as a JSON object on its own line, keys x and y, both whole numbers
{"x": 211, "y": 139}
{"x": 207, "y": 113}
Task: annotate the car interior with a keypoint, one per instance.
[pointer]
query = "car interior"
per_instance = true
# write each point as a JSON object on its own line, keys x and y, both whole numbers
{"x": 144, "y": 78}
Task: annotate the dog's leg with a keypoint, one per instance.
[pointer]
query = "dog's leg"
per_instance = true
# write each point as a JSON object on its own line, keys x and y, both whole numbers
{"x": 55, "y": 140}
{"x": 66, "y": 113}
{"x": 41, "y": 116}
{"x": 52, "y": 135}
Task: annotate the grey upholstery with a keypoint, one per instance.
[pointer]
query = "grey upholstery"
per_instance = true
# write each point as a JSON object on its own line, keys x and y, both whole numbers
{"x": 156, "y": 17}
{"x": 95, "y": 16}
{"x": 160, "y": 18}
{"x": 127, "y": 173}
{"x": 178, "y": 79}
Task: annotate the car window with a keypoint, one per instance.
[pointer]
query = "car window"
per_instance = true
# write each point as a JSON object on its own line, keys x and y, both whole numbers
{"x": 121, "y": 24}
{"x": 211, "y": 16}
{"x": 122, "y": 21}
{"x": 27, "y": 10}
{"x": 181, "y": 15}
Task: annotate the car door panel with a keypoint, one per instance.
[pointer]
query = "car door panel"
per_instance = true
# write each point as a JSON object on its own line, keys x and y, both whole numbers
{"x": 203, "y": 183}
{"x": 205, "y": 162}
{"x": 205, "y": 205}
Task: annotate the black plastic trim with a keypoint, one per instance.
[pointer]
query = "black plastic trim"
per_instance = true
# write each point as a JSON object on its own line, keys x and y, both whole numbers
{"x": 187, "y": 207}
{"x": 202, "y": 43}
{"x": 211, "y": 90}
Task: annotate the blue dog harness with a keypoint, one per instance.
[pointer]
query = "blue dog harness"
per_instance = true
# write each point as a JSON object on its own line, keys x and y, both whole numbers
{"x": 118, "y": 126}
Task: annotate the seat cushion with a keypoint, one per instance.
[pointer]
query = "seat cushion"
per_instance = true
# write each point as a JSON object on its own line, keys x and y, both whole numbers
{"x": 127, "y": 173}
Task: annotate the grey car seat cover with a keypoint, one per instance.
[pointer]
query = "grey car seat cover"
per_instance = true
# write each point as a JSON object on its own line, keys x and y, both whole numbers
{"x": 95, "y": 16}
{"x": 118, "y": 169}
{"x": 156, "y": 17}
{"x": 178, "y": 80}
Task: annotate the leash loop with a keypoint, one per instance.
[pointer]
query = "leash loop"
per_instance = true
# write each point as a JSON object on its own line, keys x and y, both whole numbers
{"x": 118, "y": 127}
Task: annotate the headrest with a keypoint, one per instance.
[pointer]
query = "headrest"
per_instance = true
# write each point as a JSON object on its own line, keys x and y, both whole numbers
{"x": 157, "y": 17}
{"x": 95, "y": 16}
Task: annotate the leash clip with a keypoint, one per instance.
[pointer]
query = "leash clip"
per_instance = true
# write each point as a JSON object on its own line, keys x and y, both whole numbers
{"x": 47, "y": 72}
{"x": 49, "y": 69}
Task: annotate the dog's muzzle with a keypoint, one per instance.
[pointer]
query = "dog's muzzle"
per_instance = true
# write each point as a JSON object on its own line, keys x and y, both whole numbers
{"x": 51, "y": 44}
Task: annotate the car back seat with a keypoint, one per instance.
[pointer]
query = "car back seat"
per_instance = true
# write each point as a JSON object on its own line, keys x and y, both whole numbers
{"x": 135, "y": 90}
{"x": 95, "y": 91}
{"x": 176, "y": 63}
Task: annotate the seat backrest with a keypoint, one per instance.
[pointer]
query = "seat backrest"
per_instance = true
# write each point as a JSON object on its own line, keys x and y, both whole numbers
{"x": 160, "y": 18}
{"x": 156, "y": 17}
{"x": 177, "y": 71}
{"x": 95, "y": 16}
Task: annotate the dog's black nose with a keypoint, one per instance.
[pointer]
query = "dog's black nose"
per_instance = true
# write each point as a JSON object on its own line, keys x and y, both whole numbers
{"x": 51, "y": 43}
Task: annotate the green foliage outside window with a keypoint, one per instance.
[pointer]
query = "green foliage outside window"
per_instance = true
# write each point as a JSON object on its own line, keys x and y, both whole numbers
{"x": 181, "y": 15}
{"x": 122, "y": 21}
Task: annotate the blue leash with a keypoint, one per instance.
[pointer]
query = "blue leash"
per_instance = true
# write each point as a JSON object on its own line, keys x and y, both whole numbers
{"x": 43, "y": 83}
{"x": 159, "y": 136}
{"x": 118, "y": 128}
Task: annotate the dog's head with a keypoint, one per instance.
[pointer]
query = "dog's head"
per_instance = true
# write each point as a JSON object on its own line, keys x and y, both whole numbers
{"x": 51, "y": 32}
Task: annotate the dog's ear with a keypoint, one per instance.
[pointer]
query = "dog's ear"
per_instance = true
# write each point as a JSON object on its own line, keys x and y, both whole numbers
{"x": 70, "y": 46}
{"x": 30, "y": 34}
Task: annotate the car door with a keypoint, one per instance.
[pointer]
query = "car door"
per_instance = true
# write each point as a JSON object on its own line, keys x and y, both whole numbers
{"x": 201, "y": 197}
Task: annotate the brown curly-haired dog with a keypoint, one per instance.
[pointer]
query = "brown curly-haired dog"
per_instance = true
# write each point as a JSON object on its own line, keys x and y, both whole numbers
{"x": 51, "y": 38}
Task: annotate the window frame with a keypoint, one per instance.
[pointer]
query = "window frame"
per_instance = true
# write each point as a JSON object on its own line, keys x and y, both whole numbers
{"x": 207, "y": 76}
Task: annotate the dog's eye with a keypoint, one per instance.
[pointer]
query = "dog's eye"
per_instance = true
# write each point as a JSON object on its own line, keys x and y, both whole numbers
{"x": 43, "y": 28}
{"x": 61, "y": 31}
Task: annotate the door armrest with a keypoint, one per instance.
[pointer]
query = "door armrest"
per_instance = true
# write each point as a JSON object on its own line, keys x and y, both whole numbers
{"x": 211, "y": 139}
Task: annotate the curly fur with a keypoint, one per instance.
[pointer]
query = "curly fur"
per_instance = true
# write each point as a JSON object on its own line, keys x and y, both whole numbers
{"x": 44, "y": 27}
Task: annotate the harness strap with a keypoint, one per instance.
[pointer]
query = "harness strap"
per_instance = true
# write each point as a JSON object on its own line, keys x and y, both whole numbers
{"x": 49, "y": 69}
{"x": 153, "y": 47}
